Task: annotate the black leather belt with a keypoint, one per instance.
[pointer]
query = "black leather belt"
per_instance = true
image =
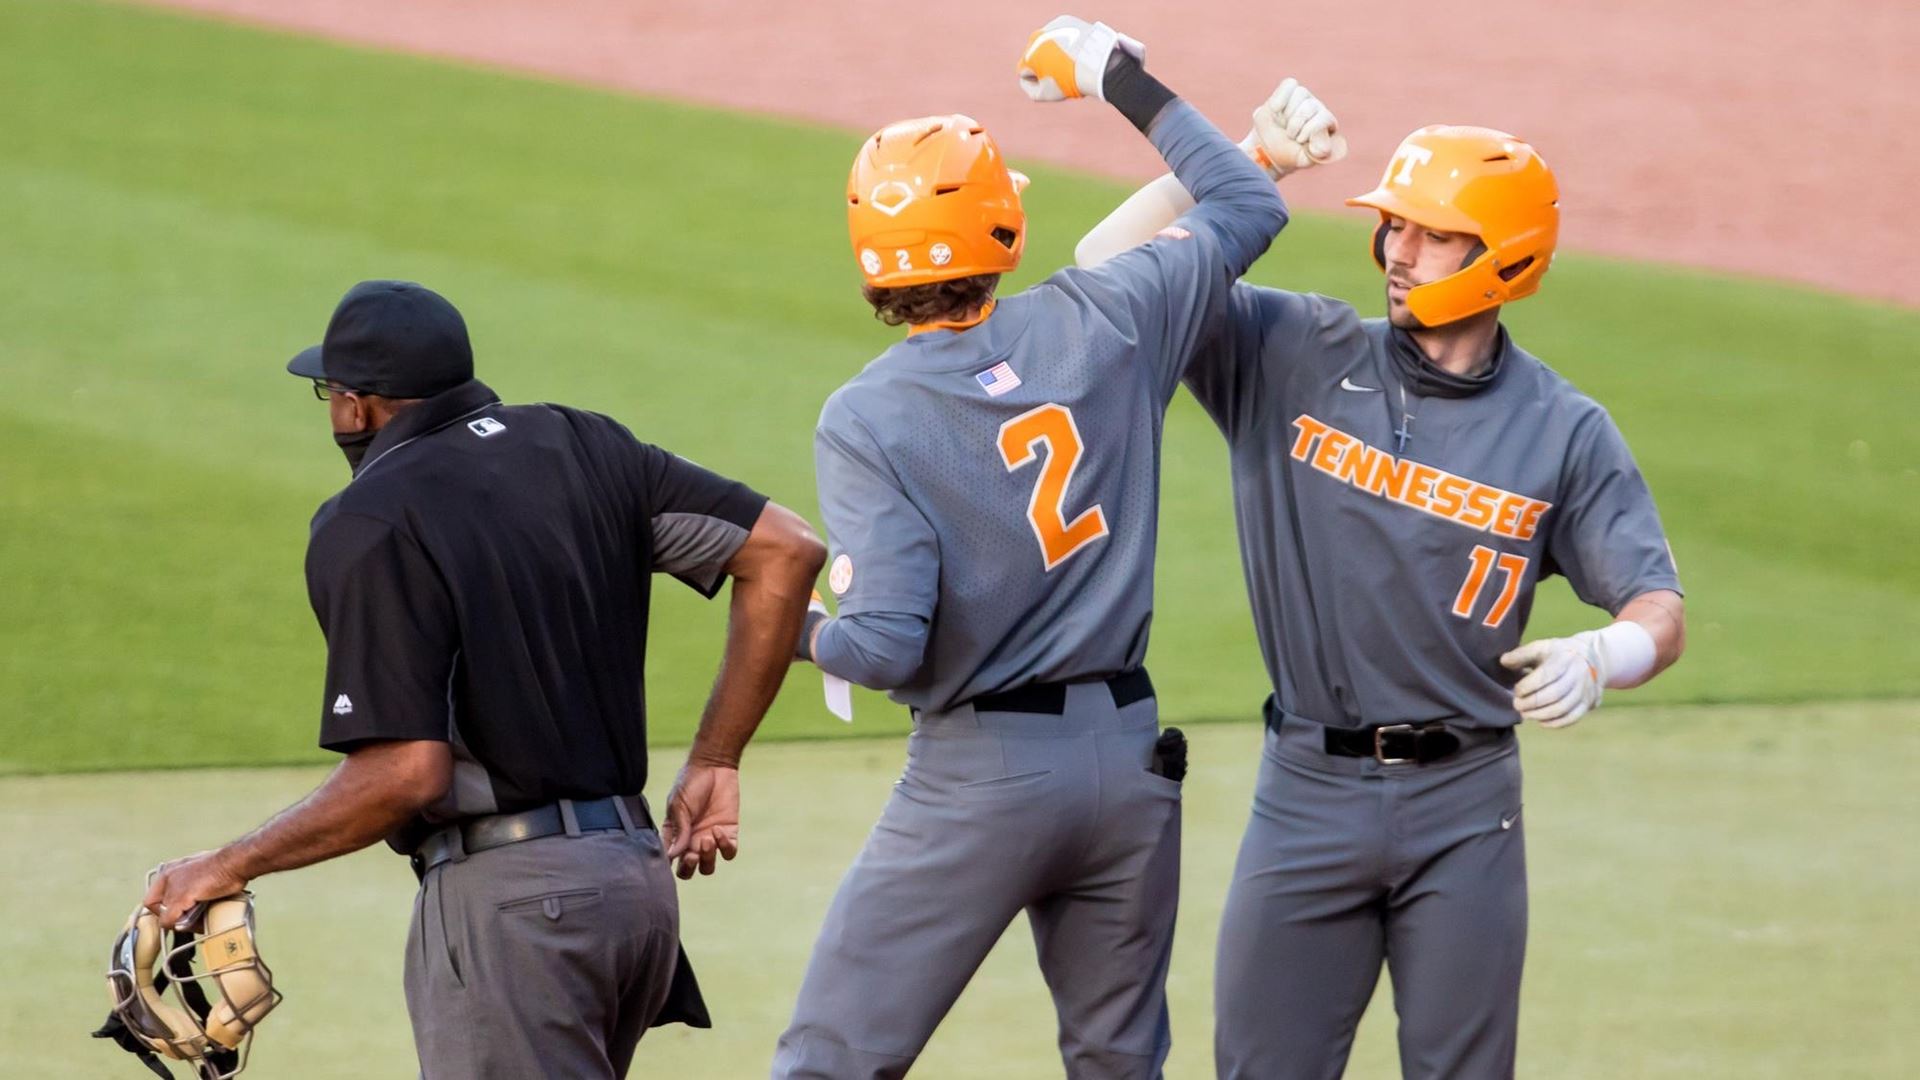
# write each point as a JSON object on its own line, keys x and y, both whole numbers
{"x": 1051, "y": 698}
{"x": 1399, "y": 744}
{"x": 1396, "y": 744}
{"x": 498, "y": 830}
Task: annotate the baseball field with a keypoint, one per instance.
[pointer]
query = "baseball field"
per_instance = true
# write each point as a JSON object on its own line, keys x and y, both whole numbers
{"x": 1722, "y": 863}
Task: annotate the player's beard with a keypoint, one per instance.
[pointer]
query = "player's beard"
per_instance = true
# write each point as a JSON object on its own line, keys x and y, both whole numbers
{"x": 1400, "y": 316}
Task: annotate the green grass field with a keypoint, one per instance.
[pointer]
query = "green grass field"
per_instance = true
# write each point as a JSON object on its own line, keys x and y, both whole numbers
{"x": 1723, "y": 883}
{"x": 182, "y": 203}
{"x": 1708, "y": 901}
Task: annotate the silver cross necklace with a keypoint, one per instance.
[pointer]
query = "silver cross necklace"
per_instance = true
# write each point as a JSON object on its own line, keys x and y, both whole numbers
{"x": 1405, "y": 430}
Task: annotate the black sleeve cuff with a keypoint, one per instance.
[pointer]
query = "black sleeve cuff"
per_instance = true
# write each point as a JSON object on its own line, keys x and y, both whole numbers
{"x": 1128, "y": 88}
{"x": 803, "y": 649}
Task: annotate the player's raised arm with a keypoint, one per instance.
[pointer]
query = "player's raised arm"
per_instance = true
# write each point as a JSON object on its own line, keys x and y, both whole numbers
{"x": 1070, "y": 58}
{"x": 1292, "y": 130}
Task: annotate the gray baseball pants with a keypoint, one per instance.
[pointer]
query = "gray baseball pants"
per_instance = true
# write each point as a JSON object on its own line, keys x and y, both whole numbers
{"x": 998, "y": 813}
{"x": 1347, "y": 862}
{"x": 546, "y": 958}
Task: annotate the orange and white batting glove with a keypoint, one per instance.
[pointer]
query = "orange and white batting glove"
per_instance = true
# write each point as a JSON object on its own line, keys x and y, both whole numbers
{"x": 1566, "y": 677}
{"x": 1067, "y": 58}
{"x": 1293, "y": 130}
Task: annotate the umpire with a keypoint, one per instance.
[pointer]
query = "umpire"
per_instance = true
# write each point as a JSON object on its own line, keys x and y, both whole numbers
{"x": 482, "y": 583}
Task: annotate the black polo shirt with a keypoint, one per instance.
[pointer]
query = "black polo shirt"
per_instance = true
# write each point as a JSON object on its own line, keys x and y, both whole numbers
{"x": 484, "y": 580}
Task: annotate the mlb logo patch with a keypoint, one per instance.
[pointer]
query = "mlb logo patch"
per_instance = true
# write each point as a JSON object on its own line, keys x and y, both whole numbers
{"x": 998, "y": 379}
{"x": 486, "y": 427}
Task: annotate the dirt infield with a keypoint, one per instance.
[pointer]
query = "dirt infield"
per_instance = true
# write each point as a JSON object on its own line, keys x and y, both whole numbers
{"x": 1765, "y": 136}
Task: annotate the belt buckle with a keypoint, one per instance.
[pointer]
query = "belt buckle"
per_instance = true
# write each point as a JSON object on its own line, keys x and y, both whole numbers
{"x": 1379, "y": 752}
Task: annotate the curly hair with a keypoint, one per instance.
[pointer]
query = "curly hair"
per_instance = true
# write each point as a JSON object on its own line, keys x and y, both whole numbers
{"x": 930, "y": 303}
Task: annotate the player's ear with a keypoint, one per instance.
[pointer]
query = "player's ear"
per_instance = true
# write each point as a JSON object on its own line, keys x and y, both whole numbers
{"x": 352, "y": 413}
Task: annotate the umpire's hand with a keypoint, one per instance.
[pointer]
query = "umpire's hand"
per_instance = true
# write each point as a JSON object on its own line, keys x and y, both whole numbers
{"x": 703, "y": 817}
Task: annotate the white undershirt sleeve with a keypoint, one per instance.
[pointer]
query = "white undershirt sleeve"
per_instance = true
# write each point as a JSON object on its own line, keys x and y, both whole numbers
{"x": 1135, "y": 221}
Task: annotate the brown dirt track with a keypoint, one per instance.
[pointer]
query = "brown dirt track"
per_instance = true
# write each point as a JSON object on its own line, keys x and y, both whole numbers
{"x": 1767, "y": 137}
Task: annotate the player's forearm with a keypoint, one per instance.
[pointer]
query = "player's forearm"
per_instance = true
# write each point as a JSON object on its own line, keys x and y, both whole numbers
{"x": 879, "y": 650}
{"x": 1134, "y": 222}
{"x": 762, "y": 624}
{"x": 1662, "y": 614}
{"x": 1232, "y": 196}
{"x": 773, "y": 575}
{"x": 377, "y": 789}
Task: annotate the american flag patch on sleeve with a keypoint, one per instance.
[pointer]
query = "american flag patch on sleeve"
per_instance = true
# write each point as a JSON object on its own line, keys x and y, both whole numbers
{"x": 998, "y": 379}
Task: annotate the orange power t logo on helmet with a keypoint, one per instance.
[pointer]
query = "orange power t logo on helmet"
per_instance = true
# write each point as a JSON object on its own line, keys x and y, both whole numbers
{"x": 1481, "y": 182}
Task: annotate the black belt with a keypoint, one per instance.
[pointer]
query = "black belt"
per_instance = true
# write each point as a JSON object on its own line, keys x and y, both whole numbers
{"x": 1395, "y": 744}
{"x": 1398, "y": 744}
{"x": 1051, "y": 698}
{"x": 498, "y": 830}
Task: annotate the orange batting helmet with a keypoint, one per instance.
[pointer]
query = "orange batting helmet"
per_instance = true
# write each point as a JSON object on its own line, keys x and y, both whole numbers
{"x": 931, "y": 200}
{"x": 1471, "y": 180}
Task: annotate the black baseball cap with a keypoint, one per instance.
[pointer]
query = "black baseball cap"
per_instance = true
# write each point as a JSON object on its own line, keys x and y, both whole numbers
{"x": 392, "y": 338}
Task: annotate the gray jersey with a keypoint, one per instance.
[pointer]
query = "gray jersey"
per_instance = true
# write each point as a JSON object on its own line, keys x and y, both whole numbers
{"x": 1387, "y": 579}
{"x": 1003, "y": 482}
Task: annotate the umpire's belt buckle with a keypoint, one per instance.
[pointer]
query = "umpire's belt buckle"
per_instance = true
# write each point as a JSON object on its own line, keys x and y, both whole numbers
{"x": 1379, "y": 743}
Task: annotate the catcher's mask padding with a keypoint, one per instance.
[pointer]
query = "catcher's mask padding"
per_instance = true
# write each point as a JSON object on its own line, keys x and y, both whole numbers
{"x": 212, "y": 1034}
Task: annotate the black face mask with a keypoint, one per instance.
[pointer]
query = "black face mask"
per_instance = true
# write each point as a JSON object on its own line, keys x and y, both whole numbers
{"x": 354, "y": 444}
{"x": 1423, "y": 377}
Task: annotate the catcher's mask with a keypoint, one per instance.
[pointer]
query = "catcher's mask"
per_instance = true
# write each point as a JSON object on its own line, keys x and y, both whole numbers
{"x": 161, "y": 1003}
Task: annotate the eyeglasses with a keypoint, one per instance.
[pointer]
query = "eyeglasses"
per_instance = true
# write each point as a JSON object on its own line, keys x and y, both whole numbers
{"x": 325, "y": 391}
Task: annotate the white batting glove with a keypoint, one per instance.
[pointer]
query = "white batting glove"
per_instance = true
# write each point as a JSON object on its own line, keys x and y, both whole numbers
{"x": 1067, "y": 58}
{"x": 1293, "y": 130}
{"x": 1564, "y": 678}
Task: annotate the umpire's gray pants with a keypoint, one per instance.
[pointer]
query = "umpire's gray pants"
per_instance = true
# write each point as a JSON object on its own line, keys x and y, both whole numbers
{"x": 999, "y": 812}
{"x": 546, "y": 958}
{"x": 1347, "y": 862}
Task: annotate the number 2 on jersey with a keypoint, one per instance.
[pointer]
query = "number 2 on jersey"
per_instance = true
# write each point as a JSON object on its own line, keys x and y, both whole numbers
{"x": 1020, "y": 440}
{"x": 1484, "y": 560}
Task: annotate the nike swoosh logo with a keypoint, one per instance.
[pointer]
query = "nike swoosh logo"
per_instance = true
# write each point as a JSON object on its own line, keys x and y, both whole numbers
{"x": 1349, "y": 384}
{"x": 1507, "y": 822}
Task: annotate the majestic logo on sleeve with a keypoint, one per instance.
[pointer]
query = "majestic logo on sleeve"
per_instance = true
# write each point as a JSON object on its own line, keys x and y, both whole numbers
{"x": 1480, "y": 507}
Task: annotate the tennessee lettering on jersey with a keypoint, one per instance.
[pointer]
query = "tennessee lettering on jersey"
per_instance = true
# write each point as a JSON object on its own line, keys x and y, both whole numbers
{"x": 1481, "y": 507}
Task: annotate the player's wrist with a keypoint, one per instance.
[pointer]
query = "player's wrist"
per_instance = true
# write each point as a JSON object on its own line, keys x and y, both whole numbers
{"x": 1627, "y": 653}
{"x": 1129, "y": 88}
{"x": 236, "y": 861}
{"x": 1251, "y": 147}
{"x": 710, "y": 757}
{"x": 809, "y": 634}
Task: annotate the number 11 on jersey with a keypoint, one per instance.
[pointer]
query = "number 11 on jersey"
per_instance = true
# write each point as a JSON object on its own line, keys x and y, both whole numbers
{"x": 1020, "y": 440}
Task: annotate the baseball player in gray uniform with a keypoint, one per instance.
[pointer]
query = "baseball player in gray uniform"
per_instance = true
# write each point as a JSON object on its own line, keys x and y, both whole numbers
{"x": 1401, "y": 485}
{"x": 990, "y": 487}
